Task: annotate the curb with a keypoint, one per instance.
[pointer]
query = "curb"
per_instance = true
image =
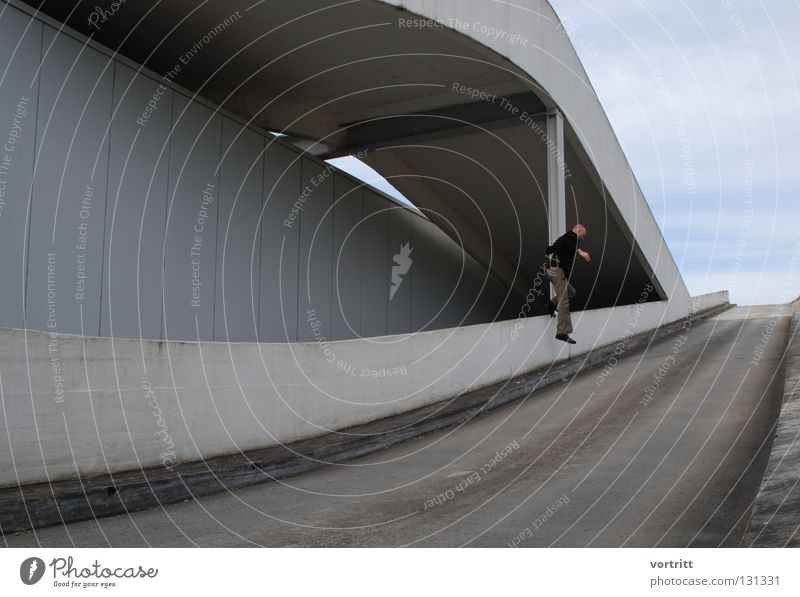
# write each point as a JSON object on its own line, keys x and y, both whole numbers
{"x": 45, "y": 504}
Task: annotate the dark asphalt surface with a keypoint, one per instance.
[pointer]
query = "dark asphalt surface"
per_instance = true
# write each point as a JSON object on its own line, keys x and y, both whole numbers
{"x": 632, "y": 457}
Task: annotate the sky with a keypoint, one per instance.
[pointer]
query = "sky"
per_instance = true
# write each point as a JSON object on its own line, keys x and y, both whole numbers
{"x": 365, "y": 173}
{"x": 704, "y": 98}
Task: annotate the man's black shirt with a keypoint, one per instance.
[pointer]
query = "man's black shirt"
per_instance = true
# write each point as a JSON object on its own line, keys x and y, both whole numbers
{"x": 563, "y": 252}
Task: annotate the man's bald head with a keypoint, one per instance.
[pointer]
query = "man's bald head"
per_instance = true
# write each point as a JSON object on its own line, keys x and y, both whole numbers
{"x": 580, "y": 230}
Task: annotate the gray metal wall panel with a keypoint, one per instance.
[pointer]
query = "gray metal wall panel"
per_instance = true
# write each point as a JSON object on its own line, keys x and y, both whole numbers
{"x": 429, "y": 285}
{"x": 451, "y": 262}
{"x": 279, "y": 245}
{"x": 316, "y": 259}
{"x": 472, "y": 293}
{"x": 375, "y": 272}
{"x": 493, "y": 296}
{"x": 400, "y": 235}
{"x": 69, "y": 193}
{"x": 190, "y": 260}
{"x": 239, "y": 235}
{"x": 19, "y": 97}
{"x": 466, "y": 288}
{"x": 347, "y": 259}
{"x": 138, "y": 185}
{"x": 494, "y": 300}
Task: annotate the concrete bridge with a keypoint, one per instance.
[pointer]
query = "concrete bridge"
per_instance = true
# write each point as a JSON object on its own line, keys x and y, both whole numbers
{"x": 190, "y": 280}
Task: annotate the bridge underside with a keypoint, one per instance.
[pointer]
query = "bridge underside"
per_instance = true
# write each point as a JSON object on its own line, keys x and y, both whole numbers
{"x": 458, "y": 129}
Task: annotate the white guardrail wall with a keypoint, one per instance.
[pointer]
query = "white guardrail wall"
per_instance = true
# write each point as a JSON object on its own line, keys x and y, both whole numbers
{"x": 76, "y": 405}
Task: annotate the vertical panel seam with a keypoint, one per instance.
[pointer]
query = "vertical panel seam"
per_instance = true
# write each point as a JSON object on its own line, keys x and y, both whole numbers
{"x": 297, "y": 191}
{"x": 216, "y": 229}
{"x": 106, "y": 256}
{"x": 29, "y": 216}
{"x": 299, "y": 267}
{"x": 331, "y": 277}
{"x": 363, "y": 269}
{"x": 410, "y": 327}
{"x": 360, "y": 254}
{"x": 256, "y": 284}
{"x": 387, "y": 258}
{"x": 166, "y": 212}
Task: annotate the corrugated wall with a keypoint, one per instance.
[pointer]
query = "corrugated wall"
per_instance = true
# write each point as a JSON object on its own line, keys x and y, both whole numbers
{"x": 129, "y": 210}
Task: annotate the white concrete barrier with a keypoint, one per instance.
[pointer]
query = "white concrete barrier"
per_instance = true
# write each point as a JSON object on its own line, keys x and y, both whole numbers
{"x": 707, "y": 301}
{"x": 80, "y": 406}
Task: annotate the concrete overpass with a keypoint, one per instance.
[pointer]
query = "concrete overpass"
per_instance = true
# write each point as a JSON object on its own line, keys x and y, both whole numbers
{"x": 189, "y": 286}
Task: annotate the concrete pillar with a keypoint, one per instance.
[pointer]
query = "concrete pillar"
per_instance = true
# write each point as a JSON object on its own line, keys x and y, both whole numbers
{"x": 556, "y": 186}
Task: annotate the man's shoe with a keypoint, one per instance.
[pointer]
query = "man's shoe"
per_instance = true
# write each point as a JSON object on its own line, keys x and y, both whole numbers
{"x": 551, "y": 307}
{"x": 565, "y": 338}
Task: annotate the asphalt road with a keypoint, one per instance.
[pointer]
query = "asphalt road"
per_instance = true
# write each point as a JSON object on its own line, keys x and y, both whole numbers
{"x": 667, "y": 449}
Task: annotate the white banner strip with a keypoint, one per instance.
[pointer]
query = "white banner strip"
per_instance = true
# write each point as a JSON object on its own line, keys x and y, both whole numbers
{"x": 388, "y": 573}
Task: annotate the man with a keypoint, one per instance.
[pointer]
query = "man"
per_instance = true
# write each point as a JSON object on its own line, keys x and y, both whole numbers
{"x": 562, "y": 256}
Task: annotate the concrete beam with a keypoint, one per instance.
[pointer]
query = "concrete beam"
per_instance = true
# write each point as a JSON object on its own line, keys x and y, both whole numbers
{"x": 441, "y": 123}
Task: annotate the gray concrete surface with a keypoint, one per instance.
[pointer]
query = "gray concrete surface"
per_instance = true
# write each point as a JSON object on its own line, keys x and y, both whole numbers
{"x": 664, "y": 448}
{"x": 40, "y": 505}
